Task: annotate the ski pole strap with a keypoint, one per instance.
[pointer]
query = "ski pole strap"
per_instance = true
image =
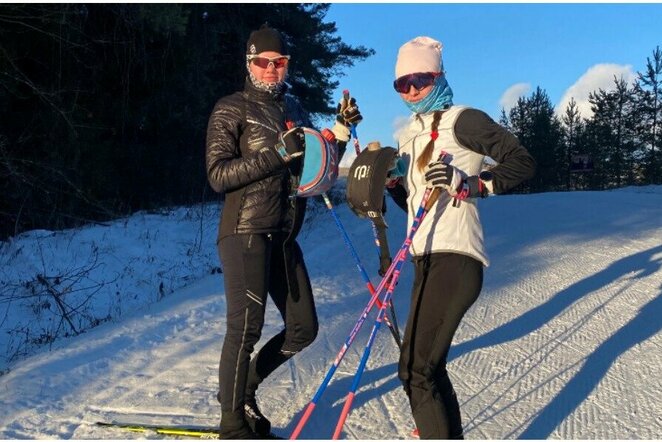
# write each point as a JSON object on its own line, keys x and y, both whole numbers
{"x": 379, "y": 226}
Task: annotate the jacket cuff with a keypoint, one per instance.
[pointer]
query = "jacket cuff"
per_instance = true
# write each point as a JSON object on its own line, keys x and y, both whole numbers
{"x": 489, "y": 185}
{"x": 340, "y": 131}
{"x": 474, "y": 187}
{"x": 272, "y": 158}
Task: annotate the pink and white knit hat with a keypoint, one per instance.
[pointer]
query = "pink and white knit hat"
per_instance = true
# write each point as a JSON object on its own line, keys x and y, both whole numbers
{"x": 422, "y": 54}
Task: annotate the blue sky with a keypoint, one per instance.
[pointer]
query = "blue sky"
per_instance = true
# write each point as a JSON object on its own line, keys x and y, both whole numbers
{"x": 494, "y": 53}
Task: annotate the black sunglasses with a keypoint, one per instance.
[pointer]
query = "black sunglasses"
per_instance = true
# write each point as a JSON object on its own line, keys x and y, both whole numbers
{"x": 419, "y": 80}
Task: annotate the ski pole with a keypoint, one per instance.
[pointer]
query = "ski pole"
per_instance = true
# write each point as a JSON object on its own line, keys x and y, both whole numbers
{"x": 357, "y": 260}
{"x": 364, "y": 359}
{"x": 400, "y": 257}
{"x": 383, "y": 252}
{"x": 429, "y": 198}
{"x": 341, "y": 354}
{"x": 352, "y": 127}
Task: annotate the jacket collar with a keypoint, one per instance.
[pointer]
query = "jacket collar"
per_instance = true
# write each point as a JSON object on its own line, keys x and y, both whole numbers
{"x": 261, "y": 95}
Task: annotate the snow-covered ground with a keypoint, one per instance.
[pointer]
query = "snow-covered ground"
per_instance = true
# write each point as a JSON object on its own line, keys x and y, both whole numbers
{"x": 564, "y": 341}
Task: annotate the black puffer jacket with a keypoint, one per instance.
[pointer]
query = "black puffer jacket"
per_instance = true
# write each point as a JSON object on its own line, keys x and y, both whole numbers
{"x": 242, "y": 163}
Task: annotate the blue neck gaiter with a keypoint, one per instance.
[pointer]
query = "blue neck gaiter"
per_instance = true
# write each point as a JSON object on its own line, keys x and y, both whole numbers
{"x": 440, "y": 97}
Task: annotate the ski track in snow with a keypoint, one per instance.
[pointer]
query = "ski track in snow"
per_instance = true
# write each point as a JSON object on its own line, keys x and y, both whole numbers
{"x": 563, "y": 343}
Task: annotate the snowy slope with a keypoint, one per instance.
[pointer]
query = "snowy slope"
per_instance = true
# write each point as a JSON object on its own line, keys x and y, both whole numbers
{"x": 563, "y": 343}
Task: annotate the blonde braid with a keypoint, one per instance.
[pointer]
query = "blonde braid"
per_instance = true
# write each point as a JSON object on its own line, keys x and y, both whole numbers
{"x": 425, "y": 157}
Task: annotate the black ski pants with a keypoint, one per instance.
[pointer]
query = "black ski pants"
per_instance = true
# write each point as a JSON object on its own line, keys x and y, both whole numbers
{"x": 254, "y": 265}
{"x": 445, "y": 286}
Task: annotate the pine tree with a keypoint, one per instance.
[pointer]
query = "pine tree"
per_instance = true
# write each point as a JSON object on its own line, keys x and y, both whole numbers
{"x": 614, "y": 131}
{"x": 648, "y": 94}
{"x": 105, "y": 106}
{"x": 503, "y": 119}
{"x": 538, "y": 129}
{"x": 572, "y": 130}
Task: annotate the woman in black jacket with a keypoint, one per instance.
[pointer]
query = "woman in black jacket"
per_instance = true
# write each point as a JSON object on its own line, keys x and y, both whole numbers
{"x": 254, "y": 148}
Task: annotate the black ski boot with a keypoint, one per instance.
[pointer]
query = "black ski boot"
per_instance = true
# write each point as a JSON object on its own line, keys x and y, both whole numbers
{"x": 256, "y": 420}
{"x": 234, "y": 426}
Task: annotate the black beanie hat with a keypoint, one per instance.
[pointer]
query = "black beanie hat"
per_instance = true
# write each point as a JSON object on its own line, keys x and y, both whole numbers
{"x": 265, "y": 39}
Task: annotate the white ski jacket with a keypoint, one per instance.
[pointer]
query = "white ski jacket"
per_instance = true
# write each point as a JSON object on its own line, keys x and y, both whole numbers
{"x": 466, "y": 135}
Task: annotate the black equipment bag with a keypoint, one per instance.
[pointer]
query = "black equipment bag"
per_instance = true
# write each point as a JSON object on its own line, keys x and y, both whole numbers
{"x": 366, "y": 182}
{"x": 365, "y": 194}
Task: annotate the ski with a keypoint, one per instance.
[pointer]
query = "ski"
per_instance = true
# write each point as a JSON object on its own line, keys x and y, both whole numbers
{"x": 169, "y": 430}
{"x": 184, "y": 431}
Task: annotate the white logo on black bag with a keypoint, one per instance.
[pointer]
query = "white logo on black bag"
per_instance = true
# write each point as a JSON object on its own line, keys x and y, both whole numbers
{"x": 361, "y": 172}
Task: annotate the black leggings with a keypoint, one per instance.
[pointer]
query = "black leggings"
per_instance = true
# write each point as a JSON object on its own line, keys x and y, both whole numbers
{"x": 254, "y": 265}
{"x": 445, "y": 286}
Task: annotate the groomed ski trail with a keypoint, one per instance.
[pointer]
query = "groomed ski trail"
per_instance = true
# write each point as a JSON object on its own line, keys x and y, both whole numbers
{"x": 564, "y": 342}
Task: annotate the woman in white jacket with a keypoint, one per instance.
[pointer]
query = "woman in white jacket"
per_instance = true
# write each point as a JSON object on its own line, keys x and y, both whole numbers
{"x": 444, "y": 146}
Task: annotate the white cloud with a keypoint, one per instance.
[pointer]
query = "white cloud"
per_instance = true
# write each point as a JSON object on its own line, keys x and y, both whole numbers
{"x": 600, "y": 76}
{"x": 399, "y": 123}
{"x": 513, "y": 93}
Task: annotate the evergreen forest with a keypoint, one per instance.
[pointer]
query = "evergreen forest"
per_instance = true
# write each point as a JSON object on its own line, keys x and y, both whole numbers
{"x": 104, "y": 107}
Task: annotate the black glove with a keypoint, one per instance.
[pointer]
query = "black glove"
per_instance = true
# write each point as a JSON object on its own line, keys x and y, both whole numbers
{"x": 347, "y": 112}
{"x": 444, "y": 176}
{"x": 291, "y": 144}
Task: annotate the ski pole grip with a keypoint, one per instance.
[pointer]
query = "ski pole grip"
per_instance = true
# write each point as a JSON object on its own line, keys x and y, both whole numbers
{"x": 374, "y": 145}
{"x": 352, "y": 127}
{"x": 434, "y": 196}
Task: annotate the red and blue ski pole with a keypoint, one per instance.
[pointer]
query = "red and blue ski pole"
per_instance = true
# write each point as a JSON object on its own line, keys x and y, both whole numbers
{"x": 357, "y": 260}
{"x": 429, "y": 198}
{"x": 341, "y": 354}
{"x": 374, "y": 298}
{"x": 386, "y": 280}
{"x": 349, "y": 245}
